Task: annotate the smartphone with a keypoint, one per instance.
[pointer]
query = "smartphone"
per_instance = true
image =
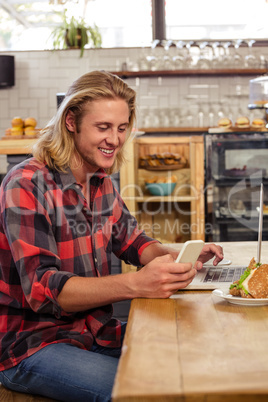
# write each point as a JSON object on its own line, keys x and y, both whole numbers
{"x": 190, "y": 251}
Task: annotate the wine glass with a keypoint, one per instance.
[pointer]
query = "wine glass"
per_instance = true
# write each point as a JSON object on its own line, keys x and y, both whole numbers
{"x": 203, "y": 110}
{"x": 189, "y": 119}
{"x": 152, "y": 58}
{"x": 164, "y": 117}
{"x": 174, "y": 117}
{"x": 227, "y": 58}
{"x": 203, "y": 61}
{"x": 152, "y": 117}
{"x": 215, "y": 59}
{"x": 250, "y": 59}
{"x": 178, "y": 58}
{"x": 221, "y": 55}
{"x": 236, "y": 60}
{"x": 169, "y": 47}
{"x": 188, "y": 59}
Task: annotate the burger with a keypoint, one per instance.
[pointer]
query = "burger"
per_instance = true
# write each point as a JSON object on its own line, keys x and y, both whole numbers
{"x": 224, "y": 122}
{"x": 258, "y": 123}
{"x": 265, "y": 209}
{"x": 242, "y": 122}
{"x": 253, "y": 283}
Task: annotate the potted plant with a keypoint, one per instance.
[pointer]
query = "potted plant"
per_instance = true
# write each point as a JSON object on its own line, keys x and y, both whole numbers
{"x": 75, "y": 33}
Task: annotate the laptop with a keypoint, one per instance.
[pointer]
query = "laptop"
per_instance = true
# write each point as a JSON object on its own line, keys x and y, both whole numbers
{"x": 212, "y": 277}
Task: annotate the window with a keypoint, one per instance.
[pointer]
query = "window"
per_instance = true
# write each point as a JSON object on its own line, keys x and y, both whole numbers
{"x": 27, "y": 24}
{"x": 216, "y": 19}
{"x": 125, "y": 23}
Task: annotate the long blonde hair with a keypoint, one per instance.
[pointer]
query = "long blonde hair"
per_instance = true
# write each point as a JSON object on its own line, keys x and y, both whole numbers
{"x": 55, "y": 145}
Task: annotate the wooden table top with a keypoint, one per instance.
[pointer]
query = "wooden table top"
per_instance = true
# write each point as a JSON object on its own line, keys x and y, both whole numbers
{"x": 196, "y": 347}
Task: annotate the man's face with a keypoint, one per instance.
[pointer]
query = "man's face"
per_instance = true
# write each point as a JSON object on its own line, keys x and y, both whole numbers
{"x": 102, "y": 132}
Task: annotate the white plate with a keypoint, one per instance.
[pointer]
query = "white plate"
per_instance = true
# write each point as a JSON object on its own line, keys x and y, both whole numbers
{"x": 239, "y": 300}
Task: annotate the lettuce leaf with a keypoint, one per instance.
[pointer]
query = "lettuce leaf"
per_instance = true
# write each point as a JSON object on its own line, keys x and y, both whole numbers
{"x": 246, "y": 273}
{"x": 241, "y": 280}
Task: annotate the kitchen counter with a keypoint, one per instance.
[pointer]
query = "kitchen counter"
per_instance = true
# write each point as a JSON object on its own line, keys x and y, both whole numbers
{"x": 16, "y": 147}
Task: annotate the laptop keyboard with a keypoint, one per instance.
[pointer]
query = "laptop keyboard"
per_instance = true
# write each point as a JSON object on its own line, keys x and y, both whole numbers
{"x": 224, "y": 274}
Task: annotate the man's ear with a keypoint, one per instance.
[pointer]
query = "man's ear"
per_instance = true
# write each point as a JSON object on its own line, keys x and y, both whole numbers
{"x": 70, "y": 121}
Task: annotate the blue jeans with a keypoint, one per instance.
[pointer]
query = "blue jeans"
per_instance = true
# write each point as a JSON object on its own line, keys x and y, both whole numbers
{"x": 66, "y": 373}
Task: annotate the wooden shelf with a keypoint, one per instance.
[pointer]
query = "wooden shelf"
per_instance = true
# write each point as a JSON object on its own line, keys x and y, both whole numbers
{"x": 180, "y": 213}
{"x": 182, "y": 130}
{"x": 177, "y": 73}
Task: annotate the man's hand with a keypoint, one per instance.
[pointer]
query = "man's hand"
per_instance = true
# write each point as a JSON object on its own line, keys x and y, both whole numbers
{"x": 162, "y": 277}
{"x": 209, "y": 251}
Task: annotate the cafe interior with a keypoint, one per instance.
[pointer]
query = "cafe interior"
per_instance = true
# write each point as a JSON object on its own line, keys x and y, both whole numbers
{"x": 196, "y": 170}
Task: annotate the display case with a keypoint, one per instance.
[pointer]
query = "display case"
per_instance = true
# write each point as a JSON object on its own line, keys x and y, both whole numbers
{"x": 236, "y": 164}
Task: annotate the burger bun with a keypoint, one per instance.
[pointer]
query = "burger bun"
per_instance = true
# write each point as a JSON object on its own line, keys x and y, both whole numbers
{"x": 258, "y": 123}
{"x": 242, "y": 122}
{"x": 258, "y": 283}
{"x": 224, "y": 122}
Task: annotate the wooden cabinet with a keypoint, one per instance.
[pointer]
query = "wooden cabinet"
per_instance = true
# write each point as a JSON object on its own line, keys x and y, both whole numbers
{"x": 177, "y": 217}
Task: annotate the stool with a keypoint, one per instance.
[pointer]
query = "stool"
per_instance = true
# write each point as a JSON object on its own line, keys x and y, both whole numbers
{"x": 11, "y": 396}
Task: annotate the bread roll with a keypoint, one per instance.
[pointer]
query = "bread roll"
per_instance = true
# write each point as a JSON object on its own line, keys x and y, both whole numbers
{"x": 17, "y": 122}
{"x": 30, "y": 122}
{"x": 16, "y": 131}
{"x": 30, "y": 131}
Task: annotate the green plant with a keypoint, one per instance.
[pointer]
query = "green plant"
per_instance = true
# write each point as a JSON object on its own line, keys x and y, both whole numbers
{"x": 74, "y": 33}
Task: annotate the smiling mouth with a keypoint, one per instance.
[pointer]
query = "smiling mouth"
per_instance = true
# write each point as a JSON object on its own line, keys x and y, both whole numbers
{"x": 107, "y": 151}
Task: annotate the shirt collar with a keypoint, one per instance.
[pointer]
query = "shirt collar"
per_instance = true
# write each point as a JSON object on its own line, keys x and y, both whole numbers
{"x": 68, "y": 180}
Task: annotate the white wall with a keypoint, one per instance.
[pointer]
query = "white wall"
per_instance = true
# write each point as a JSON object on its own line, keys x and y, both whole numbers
{"x": 41, "y": 74}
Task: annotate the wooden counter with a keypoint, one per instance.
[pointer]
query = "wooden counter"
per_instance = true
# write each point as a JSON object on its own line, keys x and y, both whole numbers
{"x": 197, "y": 347}
{"x": 16, "y": 147}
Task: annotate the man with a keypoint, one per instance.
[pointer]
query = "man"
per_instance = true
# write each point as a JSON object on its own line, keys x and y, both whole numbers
{"x": 60, "y": 220}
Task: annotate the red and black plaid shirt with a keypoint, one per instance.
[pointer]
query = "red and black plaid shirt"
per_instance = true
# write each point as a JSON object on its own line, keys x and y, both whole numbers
{"x": 49, "y": 233}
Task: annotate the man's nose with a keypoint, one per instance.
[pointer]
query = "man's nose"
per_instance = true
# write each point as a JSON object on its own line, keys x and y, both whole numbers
{"x": 113, "y": 138}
